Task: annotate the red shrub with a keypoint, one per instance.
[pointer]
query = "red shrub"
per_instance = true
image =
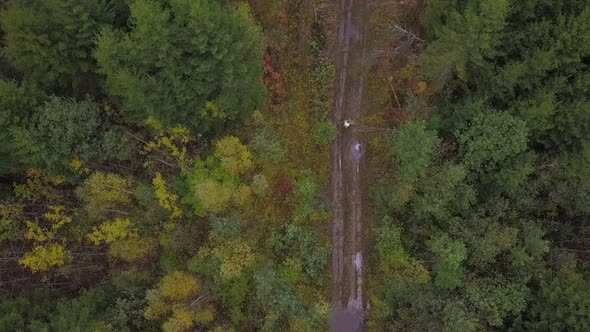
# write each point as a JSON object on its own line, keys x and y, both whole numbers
{"x": 395, "y": 116}
{"x": 272, "y": 79}
{"x": 283, "y": 186}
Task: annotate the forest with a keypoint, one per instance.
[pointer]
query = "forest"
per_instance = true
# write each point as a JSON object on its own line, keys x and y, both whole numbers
{"x": 165, "y": 165}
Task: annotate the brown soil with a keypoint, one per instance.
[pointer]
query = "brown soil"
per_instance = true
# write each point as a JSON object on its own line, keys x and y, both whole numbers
{"x": 347, "y": 164}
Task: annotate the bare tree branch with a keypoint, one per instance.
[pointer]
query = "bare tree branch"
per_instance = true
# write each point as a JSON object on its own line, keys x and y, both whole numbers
{"x": 408, "y": 33}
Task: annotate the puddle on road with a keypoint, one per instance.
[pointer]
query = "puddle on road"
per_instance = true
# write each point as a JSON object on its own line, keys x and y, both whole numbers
{"x": 346, "y": 321}
{"x": 357, "y": 150}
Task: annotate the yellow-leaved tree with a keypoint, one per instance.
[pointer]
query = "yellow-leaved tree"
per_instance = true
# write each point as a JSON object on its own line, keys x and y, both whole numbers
{"x": 112, "y": 231}
{"x": 133, "y": 249}
{"x": 104, "y": 194}
{"x": 234, "y": 156}
{"x": 215, "y": 196}
{"x": 216, "y": 181}
{"x": 179, "y": 297}
{"x": 167, "y": 200}
{"x": 169, "y": 147}
{"x": 39, "y": 186}
{"x": 48, "y": 252}
{"x": 44, "y": 257}
{"x": 235, "y": 256}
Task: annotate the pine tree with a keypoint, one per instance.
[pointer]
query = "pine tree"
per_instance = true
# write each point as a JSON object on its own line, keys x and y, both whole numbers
{"x": 184, "y": 62}
{"x": 51, "y": 42}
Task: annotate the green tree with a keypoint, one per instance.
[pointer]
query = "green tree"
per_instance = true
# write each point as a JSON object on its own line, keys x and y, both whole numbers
{"x": 234, "y": 296}
{"x": 267, "y": 145}
{"x": 60, "y": 132}
{"x": 87, "y": 312}
{"x": 496, "y": 300}
{"x": 457, "y": 317}
{"x": 531, "y": 247}
{"x": 509, "y": 87}
{"x": 17, "y": 103}
{"x": 393, "y": 258}
{"x": 567, "y": 183}
{"x": 389, "y": 246}
{"x": 487, "y": 239}
{"x": 560, "y": 304}
{"x": 24, "y": 314}
{"x": 325, "y": 133}
{"x": 464, "y": 35}
{"x": 492, "y": 139}
{"x": 214, "y": 183}
{"x": 11, "y": 215}
{"x": 417, "y": 307}
{"x": 443, "y": 194}
{"x": 450, "y": 256}
{"x": 51, "y": 41}
{"x": 276, "y": 297}
{"x": 184, "y": 62}
{"x": 305, "y": 198}
{"x": 301, "y": 243}
{"x": 413, "y": 148}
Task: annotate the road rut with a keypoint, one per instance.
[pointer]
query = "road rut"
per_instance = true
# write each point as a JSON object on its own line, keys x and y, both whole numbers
{"x": 347, "y": 161}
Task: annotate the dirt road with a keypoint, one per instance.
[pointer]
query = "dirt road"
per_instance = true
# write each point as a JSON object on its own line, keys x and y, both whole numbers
{"x": 347, "y": 161}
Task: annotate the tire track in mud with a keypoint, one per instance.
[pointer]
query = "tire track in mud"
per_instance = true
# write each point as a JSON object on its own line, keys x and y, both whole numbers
{"x": 337, "y": 178}
{"x": 347, "y": 153}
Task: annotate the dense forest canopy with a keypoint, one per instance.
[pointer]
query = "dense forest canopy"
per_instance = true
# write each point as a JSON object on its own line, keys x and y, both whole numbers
{"x": 491, "y": 190}
{"x": 164, "y": 165}
{"x": 143, "y": 184}
{"x": 195, "y": 63}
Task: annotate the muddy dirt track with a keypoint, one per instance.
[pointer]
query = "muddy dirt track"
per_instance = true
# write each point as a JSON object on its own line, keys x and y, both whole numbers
{"x": 347, "y": 162}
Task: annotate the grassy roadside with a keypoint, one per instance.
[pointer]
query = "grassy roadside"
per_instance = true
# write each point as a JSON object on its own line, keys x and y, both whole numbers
{"x": 293, "y": 131}
{"x": 391, "y": 83}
